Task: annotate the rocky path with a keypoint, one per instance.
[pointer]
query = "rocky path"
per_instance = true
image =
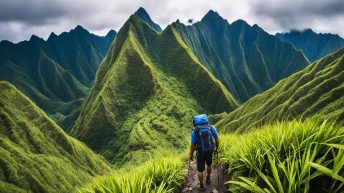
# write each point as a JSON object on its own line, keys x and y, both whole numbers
{"x": 192, "y": 182}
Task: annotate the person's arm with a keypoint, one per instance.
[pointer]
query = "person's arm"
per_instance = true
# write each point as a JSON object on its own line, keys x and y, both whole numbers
{"x": 216, "y": 137}
{"x": 193, "y": 145}
{"x": 192, "y": 150}
{"x": 216, "y": 144}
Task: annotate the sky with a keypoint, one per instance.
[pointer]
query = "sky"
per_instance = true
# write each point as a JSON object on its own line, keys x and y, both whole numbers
{"x": 19, "y": 19}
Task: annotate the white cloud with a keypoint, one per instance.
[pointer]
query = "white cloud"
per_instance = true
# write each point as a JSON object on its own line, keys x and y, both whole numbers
{"x": 20, "y": 19}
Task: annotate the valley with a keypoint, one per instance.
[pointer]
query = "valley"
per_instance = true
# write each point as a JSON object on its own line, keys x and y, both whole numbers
{"x": 98, "y": 114}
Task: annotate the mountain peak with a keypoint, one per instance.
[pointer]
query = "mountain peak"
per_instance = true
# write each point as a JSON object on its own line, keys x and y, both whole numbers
{"x": 211, "y": 16}
{"x": 308, "y": 30}
{"x": 35, "y": 38}
{"x": 314, "y": 45}
{"x": 79, "y": 28}
{"x": 212, "y": 13}
{"x": 52, "y": 36}
{"x": 111, "y": 33}
{"x": 3, "y": 42}
{"x": 240, "y": 22}
{"x": 144, "y": 16}
{"x": 297, "y": 31}
{"x": 141, "y": 11}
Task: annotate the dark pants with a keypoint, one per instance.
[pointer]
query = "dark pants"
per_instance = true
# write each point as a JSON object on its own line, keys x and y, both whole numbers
{"x": 202, "y": 159}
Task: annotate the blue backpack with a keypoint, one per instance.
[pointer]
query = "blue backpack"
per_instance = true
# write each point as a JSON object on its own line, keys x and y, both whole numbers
{"x": 204, "y": 134}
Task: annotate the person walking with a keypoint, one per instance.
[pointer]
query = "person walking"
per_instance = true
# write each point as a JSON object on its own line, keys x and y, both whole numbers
{"x": 202, "y": 140}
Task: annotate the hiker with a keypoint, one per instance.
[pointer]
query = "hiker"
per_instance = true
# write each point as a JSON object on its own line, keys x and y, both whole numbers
{"x": 202, "y": 140}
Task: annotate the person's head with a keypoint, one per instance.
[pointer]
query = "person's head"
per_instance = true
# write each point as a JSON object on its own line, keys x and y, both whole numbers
{"x": 200, "y": 120}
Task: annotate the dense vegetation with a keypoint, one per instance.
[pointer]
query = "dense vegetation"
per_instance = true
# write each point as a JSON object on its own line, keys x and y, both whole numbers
{"x": 286, "y": 157}
{"x": 246, "y": 59}
{"x": 36, "y": 154}
{"x": 56, "y": 74}
{"x": 313, "y": 45}
{"x": 161, "y": 175}
{"x": 315, "y": 91}
{"x": 145, "y": 93}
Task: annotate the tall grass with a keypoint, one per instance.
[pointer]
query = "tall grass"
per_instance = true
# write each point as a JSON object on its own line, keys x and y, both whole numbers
{"x": 155, "y": 176}
{"x": 286, "y": 157}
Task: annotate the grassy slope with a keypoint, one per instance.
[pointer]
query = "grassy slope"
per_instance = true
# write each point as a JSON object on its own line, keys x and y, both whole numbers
{"x": 35, "y": 154}
{"x": 246, "y": 59}
{"x": 286, "y": 157}
{"x": 313, "y": 45}
{"x": 161, "y": 175}
{"x": 145, "y": 93}
{"x": 317, "y": 91}
{"x": 55, "y": 73}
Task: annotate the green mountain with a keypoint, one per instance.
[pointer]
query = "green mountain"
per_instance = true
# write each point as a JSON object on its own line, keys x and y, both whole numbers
{"x": 145, "y": 93}
{"x": 313, "y": 45}
{"x": 317, "y": 91}
{"x": 246, "y": 59}
{"x": 56, "y": 74}
{"x": 36, "y": 155}
{"x": 143, "y": 15}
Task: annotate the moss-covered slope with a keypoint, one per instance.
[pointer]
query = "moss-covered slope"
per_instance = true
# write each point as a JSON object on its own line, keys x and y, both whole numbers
{"x": 56, "y": 74}
{"x": 246, "y": 59}
{"x": 317, "y": 91}
{"x": 145, "y": 93}
{"x": 35, "y": 154}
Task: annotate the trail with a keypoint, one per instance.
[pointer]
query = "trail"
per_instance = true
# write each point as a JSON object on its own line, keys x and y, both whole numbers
{"x": 192, "y": 182}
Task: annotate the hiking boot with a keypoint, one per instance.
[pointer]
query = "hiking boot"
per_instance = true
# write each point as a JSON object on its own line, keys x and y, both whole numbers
{"x": 201, "y": 188}
{"x": 208, "y": 180}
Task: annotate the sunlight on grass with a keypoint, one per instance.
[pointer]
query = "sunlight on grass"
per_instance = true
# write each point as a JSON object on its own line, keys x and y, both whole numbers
{"x": 159, "y": 175}
{"x": 286, "y": 157}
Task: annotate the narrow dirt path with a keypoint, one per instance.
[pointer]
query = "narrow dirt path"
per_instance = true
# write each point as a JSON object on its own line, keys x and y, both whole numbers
{"x": 192, "y": 182}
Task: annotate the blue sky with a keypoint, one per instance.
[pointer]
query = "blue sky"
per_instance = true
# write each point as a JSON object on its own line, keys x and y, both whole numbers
{"x": 19, "y": 19}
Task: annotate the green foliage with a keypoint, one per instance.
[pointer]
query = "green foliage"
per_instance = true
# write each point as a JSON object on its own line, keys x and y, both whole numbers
{"x": 146, "y": 91}
{"x": 246, "y": 59}
{"x": 317, "y": 91}
{"x": 214, "y": 118}
{"x": 35, "y": 154}
{"x": 155, "y": 176}
{"x": 286, "y": 157}
{"x": 56, "y": 74}
{"x": 313, "y": 45}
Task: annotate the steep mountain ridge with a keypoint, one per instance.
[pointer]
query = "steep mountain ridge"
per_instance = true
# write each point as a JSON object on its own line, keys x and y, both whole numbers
{"x": 246, "y": 59}
{"x": 313, "y": 45}
{"x": 56, "y": 74}
{"x": 143, "y": 15}
{"x": 145, "y": 93}
{"x": 36, "y": 154}
{"x": 79, "y": 52}
{"x": 317, "y": 91}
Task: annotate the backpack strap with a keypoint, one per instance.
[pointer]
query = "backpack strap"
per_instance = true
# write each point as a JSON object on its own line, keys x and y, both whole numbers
{"x": 197, "y": 132}
{"x": 198, "y": 137}
{"x": 211, "y": 128}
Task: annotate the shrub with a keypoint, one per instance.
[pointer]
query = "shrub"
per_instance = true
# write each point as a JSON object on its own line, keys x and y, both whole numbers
{"x": 286, "y": 157}
{"x": 155, "y": 176}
